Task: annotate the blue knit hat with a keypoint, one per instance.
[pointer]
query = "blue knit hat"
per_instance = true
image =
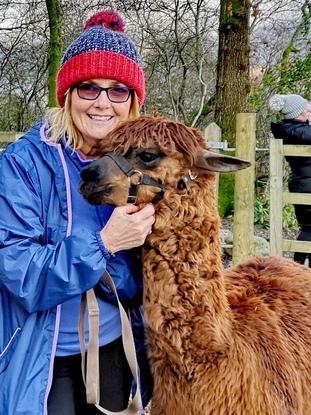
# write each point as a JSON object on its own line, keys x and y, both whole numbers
{"x": 101, "y": 51}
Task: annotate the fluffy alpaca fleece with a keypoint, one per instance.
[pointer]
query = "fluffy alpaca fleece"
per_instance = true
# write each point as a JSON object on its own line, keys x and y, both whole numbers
{"x": 233, "y": 342}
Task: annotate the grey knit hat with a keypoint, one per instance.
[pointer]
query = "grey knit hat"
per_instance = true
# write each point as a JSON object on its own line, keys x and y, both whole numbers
{"x": 290, "y": 106}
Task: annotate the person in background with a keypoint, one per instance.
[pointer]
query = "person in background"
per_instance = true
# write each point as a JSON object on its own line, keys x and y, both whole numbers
{"x": 54, "y": 246}
{"x": 294, "y": 128}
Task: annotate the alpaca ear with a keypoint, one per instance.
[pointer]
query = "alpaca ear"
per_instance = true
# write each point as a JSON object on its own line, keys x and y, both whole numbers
{"x": 212, "y": 161}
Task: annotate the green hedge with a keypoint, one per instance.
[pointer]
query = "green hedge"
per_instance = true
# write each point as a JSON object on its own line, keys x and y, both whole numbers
{"x": 226, "y": 194}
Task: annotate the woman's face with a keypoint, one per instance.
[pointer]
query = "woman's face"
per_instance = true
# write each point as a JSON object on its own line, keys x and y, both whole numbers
{"x": 95, "y": 118}
{"x": 307, "y": 112}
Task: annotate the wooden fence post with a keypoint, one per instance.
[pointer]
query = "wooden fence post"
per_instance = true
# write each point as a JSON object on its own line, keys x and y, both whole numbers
{"x": 212, "y": 133}
{"x": 8, "y": 137}
{"x": 243, "y": 221}
{"x": 276, "y": 196}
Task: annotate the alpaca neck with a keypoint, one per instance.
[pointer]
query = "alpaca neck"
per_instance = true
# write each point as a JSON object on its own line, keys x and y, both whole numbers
{"x": 184, "y": 294}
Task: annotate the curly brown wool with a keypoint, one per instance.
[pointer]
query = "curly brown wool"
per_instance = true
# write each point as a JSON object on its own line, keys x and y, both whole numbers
{"x": 221, "y": 342}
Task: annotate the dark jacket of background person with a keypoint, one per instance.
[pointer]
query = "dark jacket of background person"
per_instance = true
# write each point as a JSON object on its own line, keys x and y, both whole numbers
{"x": 295, "y": 129}
{"x": 297, "y": 132}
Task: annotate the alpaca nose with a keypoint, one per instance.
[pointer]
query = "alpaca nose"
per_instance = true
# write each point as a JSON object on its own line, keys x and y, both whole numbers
{"x": 90, "y": 174}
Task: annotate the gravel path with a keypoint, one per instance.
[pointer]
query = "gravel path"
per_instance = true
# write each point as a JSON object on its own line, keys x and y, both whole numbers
{"x": 264, "y": 233}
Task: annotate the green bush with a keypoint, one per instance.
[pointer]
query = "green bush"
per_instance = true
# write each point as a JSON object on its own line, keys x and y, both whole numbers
{"x": 226, "y": 194}
{"x": 262, "y": 212}
{"x": 289, "y": 217}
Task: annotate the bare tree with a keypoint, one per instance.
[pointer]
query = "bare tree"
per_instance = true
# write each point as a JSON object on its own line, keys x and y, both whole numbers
{"x": 23, "y": 63}
{"x": 55, "y": 47}
{"x": 177, "y": 40}
{"x": 233, "y": 83}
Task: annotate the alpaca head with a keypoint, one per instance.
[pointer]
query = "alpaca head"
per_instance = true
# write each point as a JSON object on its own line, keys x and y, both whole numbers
{"x": 143, "y": 158}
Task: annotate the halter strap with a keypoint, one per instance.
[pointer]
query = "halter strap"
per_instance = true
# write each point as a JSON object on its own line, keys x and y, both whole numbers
{"x": 129, "y": 171}
{"x": 183, "y": 182}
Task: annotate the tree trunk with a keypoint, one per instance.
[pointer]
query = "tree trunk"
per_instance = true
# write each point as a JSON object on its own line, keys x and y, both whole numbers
{"x": 233, "y": 84}
{"x": 55, "y": 47}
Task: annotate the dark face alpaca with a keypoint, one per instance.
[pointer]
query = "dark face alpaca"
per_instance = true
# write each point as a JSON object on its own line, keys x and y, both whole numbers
{"x": 106, "y": 180}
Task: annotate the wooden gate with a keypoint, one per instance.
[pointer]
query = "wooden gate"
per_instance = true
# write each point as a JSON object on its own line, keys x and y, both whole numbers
{"x": 279, "y": 198}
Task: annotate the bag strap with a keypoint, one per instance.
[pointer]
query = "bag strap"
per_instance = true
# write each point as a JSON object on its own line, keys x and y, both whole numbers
{"x": 90, "y": 365}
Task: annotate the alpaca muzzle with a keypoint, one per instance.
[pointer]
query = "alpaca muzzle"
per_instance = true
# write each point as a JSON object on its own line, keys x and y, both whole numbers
{"x": 90, "y": 186}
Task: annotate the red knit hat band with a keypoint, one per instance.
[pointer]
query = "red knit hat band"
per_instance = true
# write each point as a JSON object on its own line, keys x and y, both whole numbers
{"x": 100, "y": 64}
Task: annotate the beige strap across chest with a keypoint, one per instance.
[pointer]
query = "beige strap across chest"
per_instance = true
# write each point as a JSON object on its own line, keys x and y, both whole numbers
{"x": 90, "y": 364}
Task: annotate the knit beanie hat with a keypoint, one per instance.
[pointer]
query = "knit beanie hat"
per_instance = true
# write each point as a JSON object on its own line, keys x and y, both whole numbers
{"x": 102, "y": 50}
{"x": 290, "y": 106}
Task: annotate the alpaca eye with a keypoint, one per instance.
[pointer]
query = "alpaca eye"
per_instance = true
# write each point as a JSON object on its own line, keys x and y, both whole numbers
{"x": 147, "y": 157}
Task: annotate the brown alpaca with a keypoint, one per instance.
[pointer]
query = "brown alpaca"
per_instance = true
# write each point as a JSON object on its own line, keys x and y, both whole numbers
{"x": 234, "y": 342}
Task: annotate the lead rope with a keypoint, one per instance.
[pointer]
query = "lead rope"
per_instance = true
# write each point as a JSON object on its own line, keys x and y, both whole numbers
{"x": 90, "y": 365}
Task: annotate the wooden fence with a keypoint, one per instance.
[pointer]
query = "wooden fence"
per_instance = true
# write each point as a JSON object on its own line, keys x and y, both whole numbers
{"x": 6, "y": 137}
{"x": 279, "y": 198}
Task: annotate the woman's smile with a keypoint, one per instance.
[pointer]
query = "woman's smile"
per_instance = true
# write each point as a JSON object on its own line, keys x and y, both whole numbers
{"x": 95, "y": 118}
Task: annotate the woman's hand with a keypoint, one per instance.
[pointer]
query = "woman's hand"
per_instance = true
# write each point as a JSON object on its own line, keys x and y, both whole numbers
{"x": 127, "y": 227}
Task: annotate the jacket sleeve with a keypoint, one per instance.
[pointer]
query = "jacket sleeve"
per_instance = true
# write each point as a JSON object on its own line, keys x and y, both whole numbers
{"x": 38, "y": 274}
{"x": 127, "y": 279}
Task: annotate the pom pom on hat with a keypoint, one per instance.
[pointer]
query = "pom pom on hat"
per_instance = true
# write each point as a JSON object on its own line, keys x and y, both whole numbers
{"x": 102, "y": 50}
{"x": 290, "y": 106}
{"x": 276, "y": 103}
{"x": 108, "y": 19}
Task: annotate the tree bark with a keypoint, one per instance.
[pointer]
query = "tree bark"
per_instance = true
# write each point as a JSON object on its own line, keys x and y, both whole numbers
{"x": 233, "y": 83}
{"x": 55, "y": 47}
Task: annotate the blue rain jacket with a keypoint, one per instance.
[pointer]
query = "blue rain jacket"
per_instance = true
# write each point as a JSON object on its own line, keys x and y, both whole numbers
{"x": 41, "y": 266}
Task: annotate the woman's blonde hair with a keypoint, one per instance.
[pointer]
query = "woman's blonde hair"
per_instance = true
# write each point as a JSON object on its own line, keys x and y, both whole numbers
{"x": 60, "y": 122}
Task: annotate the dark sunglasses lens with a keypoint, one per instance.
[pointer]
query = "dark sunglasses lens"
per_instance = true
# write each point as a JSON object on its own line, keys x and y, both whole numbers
{"x": 88, "y": 91}
{"x": 118, "y": 94}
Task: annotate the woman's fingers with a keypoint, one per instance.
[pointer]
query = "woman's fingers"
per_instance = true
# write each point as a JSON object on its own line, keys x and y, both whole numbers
{"x": 127, "y": 227}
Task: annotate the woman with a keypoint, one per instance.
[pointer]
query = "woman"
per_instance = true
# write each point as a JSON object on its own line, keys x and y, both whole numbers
{"x": 295, "y": 129}
{"x": 54, "y": 246}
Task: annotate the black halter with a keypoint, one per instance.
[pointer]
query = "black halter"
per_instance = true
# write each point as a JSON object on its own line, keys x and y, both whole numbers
{"x": 129, "y": 171}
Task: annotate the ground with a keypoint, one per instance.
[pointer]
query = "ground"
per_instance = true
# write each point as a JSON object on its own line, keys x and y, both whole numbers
{"x": 258, "y": 231}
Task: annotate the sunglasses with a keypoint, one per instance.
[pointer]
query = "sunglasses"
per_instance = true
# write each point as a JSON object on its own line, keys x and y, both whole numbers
{"x": 116, "y": 94}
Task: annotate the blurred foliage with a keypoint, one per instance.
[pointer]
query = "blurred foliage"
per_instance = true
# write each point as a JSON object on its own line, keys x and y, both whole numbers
{"x": 289, "y": 217}
{"x": 262, "y": 211}
{"x": 226, "y": 194}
